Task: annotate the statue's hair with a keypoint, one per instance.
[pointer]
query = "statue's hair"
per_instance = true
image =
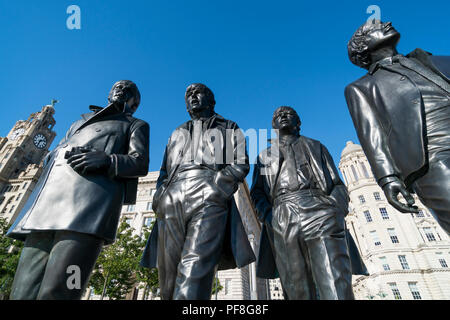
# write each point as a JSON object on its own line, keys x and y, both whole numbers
{"x": 134, "y": 90}
{"x": 284, "y": 109}
{"x": 207, "y": 91}
{"x": 358, "y": 46}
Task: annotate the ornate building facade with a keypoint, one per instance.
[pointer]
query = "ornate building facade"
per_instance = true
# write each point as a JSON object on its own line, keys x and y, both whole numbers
{"x": 407, "y": 255}
{"x": 21, "y": 154}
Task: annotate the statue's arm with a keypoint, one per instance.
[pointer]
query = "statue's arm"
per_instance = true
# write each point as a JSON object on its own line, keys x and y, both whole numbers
{"x": 372, "y": 134}
{"x": 135, "y": 162}
{"x": 257, "y": 193}
{"x": 228, "y": 178}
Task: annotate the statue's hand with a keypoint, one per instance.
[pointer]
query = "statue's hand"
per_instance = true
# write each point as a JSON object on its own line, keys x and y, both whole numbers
{"x": 392, "y": 189}
{"x": 89, "y": 162}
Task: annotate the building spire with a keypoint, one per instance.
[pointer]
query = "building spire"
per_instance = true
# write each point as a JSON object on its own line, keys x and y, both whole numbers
{"x": 54, "y": 102}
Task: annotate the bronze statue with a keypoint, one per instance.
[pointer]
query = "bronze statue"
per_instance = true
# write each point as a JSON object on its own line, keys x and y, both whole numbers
{"x": 198, "y": 224}
{"x": 401, "y": 112}
{"x": 302, "y": 202}
{"x": 75, "y": 207}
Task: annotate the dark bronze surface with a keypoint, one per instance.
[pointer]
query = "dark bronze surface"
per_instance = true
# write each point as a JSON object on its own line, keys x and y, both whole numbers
{"x": 198, "y": 226}
{"x": 304, "y": 238}
{"x": 401, "y": 112}
{"x": 84, "y": 194}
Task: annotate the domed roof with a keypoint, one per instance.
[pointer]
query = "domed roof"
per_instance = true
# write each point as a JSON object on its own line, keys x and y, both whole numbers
{"x": 350, "y": 148}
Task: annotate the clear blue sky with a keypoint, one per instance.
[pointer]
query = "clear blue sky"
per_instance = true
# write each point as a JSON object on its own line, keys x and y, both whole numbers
{"x": 254, "y": 55}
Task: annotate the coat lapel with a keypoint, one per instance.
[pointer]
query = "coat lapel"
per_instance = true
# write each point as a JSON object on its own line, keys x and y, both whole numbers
{"x": 425, "y": 72}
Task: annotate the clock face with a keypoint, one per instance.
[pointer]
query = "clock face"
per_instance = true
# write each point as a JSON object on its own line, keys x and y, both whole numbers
{"x": 17, "y": 133}
{"x": 40, "y": 141}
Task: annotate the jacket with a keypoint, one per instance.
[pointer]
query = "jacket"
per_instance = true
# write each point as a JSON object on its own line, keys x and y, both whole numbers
{"x": 66, "y": 200}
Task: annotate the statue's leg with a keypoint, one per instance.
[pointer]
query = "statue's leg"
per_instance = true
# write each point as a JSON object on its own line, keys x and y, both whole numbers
{"x": 69, "y": 265}
{"x": 171, "y": 235}
{"x": 290, "y": 253}
{"x": 31, "y": 267}
{"x": 206, "y": 213}
{"x": 433, "y": 189}
{"x": 330, "y": 261}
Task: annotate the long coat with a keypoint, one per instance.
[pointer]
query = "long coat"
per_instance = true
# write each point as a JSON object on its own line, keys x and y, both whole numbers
{"x": 388, "y": 113}
{"x": 325, "y": 174}
{"x": 236, "y": 250}
{"x": 66, "y": 200}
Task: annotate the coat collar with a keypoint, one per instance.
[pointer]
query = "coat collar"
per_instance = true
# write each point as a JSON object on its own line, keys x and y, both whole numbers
{"x": 99, "y": 112}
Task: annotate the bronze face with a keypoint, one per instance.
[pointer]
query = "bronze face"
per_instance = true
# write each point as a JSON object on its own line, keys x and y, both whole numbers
{"x": 382, "y": 35}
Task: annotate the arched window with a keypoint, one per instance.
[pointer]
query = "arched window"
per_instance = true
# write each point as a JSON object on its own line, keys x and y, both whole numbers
{"x": 354, "y": 172}
{"x": 366, "y": 173}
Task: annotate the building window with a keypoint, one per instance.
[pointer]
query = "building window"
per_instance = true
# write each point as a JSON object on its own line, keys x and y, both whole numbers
{"x": 12, "y": 208}
{"x": 354, "y": 172}
{"x": 443, "y": 263}
{"x": 384, "y": 263}
{"x": 148, "y": 221}
{"x": 392, "y": 235}
{"x": 129, "y": 221}
{"x": 24, "y": 185}
{"x": 403, "y": 262}
{"x": 384, "y": 214}
{"x": 368, "y": 216}
{"x": 227, "y": 286}
{"x": 420, "y": 214}
{"x": 149, "y": 206}
{"x": 375, "y": 238}
{"x": 429, "y": 234}
{"x": 18, "y": 197}
{"x": 366, "y": 174}
{"x": 377, "y": 196}
{"x": 361, "y": 199}
{"x": 131, "y": 207}
{"x": 414, "y": 290}
{"x": 345, "y": 177}
{"x": 395, "y": 291}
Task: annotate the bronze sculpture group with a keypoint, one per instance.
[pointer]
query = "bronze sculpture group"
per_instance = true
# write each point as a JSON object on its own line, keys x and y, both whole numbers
{"x": 401, "y": 112}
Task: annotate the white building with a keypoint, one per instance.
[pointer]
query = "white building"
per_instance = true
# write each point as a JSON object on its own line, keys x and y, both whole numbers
{"x": 407, "y": 255}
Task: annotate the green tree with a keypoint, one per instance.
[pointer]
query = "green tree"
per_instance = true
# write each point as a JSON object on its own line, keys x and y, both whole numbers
{"x": 10, "y": 251}
{"x": 148, "y": 278}
{"x": 117, "y": 267}
{"x": 217, "y": 287}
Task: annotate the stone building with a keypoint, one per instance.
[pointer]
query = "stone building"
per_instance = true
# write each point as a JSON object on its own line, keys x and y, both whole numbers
{"x": 407, "y": 255}
{"x": 21, "y": 154}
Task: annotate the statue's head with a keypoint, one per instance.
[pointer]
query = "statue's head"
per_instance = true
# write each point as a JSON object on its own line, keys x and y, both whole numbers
{"x": 199, "y": 98}
{"x": 125, "y": 91}
{"x": 286, "y": 119}
{"x": 371, "y": 36}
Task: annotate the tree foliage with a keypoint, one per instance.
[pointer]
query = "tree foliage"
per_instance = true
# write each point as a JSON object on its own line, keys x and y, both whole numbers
{"x": 117, "y": 269}
{"x": 10, "y": 251}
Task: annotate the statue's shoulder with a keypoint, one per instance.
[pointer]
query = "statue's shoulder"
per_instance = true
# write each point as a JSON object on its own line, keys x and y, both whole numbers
{"x": 362, "y": 82}
{"x": 225, "y": 123}
{"x": 309, "y": 140}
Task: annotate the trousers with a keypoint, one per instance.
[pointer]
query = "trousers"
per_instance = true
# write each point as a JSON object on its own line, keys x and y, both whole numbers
{"x": 43, "y": 271}
{"x": 433, "y": 189}
{"x": 192, "y": 218}
{"x": 310, "y": 247}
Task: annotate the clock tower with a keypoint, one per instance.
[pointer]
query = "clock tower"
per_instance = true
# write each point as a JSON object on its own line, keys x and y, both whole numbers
{"x": 21, "y": 154}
